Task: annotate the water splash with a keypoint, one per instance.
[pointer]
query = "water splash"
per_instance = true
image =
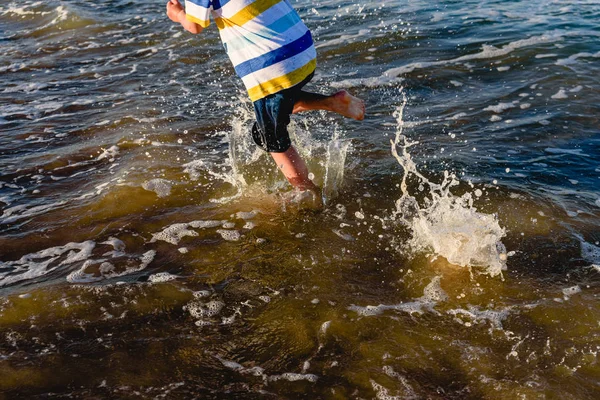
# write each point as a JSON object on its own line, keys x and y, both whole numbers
{"x": 326, "y": 158}
{"x": 337, "y": 149}
{"x": 446, "y": 225}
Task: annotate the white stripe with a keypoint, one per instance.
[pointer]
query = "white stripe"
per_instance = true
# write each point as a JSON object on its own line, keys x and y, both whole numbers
{"x": 233, "y": 7}
{"x": 257, "y": 49}
{"x": 197, "y": 11}
{"x": 281, "y": 68}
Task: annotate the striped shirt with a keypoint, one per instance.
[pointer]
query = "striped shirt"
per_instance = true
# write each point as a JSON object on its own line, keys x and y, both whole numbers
{"x": 270, "y": 47}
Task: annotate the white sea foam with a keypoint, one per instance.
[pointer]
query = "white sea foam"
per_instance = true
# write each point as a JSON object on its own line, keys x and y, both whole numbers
{"x": 571, "y": 291}
{"x": 500, "y": 107}
{"x": 245, "y": 215}
{"x": 34, "y": 265}
{"x": 161, "y": 187}
{"x": 486, "y": 52}
{"x": 259, "y": 371}
{"x": 432, "y": 294}
{"x": 371, "y": 82}
{"x": 560, "y": 95}
{"x": 474, "y": 315}
{"x": 457, "y": 116}
{"x": 409, "y": 392}
{"x": 109, "y": 153}
{"x": 382, "y": 393}
{"x": 444, "y": 224}
{"x": 590, "y": 252}
{"x": 162, "y": 277}
{"x": 576, "y": 89}
{"x": 342, "y": 39}
{"x": 174, "y": 233}
{"x": 95, "y": 270}
{"x": 16, "y": 213}
{"x": 573, "y": 58}
{"x": 293, "y": 377}
{"x": 229, "y": 235}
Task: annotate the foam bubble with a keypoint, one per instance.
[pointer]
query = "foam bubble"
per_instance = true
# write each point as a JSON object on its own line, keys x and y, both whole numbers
{"x": 265, "y": 299}
{"x": 294, "y": 377}
{"x": 560, "y": 95}
{"x": 501, "y": 107}
{"x": 382, "y": 393}
{"x": 590, "y": 252}
{"x": 174, "y": 233}
{"x": 229, "y": 235}
{"x": 161, "y": 187}
{"x": 200, "y": 310}
{"x": 576, "y": 89}
{"x": 162, "y": 277}
{"x": 245, "y": 215}
{"x": 570, "y": 291}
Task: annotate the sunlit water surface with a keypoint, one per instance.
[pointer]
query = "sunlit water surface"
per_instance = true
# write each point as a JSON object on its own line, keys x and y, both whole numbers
{"x": 148, "y": 250}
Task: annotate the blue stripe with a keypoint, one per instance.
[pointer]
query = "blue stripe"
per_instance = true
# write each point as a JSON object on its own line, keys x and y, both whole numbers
{"x": 281, "y": 25}
{"x": 219, "y": 3}
{"x": 275, "y": 56}
{"x": 269, "y": 32}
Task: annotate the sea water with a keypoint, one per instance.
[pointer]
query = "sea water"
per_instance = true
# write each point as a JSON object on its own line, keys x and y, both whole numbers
{"x": 148, "y": 249}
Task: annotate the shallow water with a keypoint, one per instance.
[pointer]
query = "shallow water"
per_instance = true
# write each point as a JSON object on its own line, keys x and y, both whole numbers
{"x": 148, "y": 250}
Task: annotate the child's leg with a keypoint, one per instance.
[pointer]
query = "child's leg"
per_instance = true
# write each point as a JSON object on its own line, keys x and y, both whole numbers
{"x": 342, "y": 103}
{"x": 294, "y": 169}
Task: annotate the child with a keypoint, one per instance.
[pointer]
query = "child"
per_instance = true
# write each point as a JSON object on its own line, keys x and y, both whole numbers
{"x": 273, "y": 53}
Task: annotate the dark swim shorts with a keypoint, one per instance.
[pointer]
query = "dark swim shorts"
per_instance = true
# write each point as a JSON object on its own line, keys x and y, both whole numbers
{"x": 273, "y": 116}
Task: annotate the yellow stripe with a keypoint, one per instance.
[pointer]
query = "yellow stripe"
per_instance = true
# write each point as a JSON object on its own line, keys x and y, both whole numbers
{"x": 246, "y": 14}
{"x": 283, "y": 82}
{"x": 200, "y": 22}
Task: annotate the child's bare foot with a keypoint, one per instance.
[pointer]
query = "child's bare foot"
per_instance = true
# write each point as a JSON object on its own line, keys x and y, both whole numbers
{"x": 348, "y": 105}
